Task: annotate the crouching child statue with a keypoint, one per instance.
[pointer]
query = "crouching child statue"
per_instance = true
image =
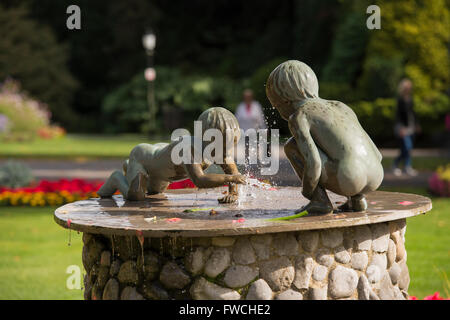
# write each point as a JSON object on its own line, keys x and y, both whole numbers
{"x": 329, "y": 148}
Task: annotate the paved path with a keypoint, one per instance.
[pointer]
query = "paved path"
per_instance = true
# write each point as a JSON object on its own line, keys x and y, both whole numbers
{"x": 101, "y": 169}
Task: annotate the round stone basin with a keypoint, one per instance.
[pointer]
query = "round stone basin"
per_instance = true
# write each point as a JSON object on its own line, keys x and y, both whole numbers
{"x": 172, "y": 246}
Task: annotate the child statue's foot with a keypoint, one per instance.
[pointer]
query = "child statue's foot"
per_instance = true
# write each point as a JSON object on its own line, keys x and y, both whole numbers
{"x": 138, "y": 187}
{"x": 317, "y": 208}
{"x": 359, "y": 203}
{"x": 346, "y": 207}
{"x": 356, "y": 203}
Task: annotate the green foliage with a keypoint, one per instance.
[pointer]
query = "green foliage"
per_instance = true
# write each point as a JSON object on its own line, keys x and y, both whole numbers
{"x": 417, "y": 32}
{"x": 30, "y": 53}
{"x": 126, "y": 108}
{"x": 15, "y": 175}
{"x": 381, "y": 76}
{"x": 365, "y": 66}
{"x": 372, "y": 114}
{"x": 25, "y": 116}
{"x": 348, "y": 49}
{"x": 341, "y": 91}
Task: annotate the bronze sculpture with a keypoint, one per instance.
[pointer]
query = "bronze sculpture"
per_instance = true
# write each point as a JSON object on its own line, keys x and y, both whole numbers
{"x": 150, "y": 168}
{"x": 329, "y": 148}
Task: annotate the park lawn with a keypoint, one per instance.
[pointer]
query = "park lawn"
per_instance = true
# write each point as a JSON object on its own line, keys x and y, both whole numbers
{"x": 73, "y": 146}
{"x": 34, "y": 253}
{"x": 420, "y": 163}
{"x": 427, "y": 246}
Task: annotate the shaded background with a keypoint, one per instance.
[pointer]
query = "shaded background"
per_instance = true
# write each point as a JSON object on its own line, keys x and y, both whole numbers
{"x": 208, "y": 51}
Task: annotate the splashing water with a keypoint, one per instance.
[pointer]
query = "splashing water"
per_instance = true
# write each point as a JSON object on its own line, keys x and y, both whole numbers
{"x": 247, "y": 191}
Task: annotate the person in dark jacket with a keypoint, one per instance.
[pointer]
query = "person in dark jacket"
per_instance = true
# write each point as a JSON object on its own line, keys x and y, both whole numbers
{"x": 405, "y": 127}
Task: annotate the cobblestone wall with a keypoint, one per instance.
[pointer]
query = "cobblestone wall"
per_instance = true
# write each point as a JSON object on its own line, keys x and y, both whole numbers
{"x": 365, "y": 262}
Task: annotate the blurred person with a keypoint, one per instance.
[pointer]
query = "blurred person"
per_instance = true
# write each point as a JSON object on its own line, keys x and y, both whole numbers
{"x": 249, "y": 112}
{"x": 250, "y": 115}
{"x": 405, "y": 127}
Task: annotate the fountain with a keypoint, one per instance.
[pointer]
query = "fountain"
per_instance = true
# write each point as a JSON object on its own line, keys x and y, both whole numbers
{"x": 347, "y": 243}
{"x": 166, "y": 248}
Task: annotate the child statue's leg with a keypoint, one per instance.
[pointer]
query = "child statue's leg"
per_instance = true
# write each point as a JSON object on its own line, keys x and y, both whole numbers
{"x": 137, "y": 179}
{"x": 320, "y": 203}
{"x": 115, "y": 181}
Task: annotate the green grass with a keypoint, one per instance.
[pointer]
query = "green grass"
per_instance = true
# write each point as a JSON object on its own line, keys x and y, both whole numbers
{"x": 34, "y": 253}
{"x": 420, "y": 163}
{"x": 427, "y": 245}
{"x": 73, "y": 146}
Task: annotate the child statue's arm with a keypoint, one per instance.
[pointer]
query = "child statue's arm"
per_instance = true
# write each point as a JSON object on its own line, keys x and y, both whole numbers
{"x": 210, "y": 180}
{"x": 229, "y": 167}
{"x": 300, "y": 128}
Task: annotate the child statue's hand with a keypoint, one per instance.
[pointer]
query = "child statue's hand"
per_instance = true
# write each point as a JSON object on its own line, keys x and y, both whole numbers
{"x": 237, "y": 178}
{"x": 229, "y": 198}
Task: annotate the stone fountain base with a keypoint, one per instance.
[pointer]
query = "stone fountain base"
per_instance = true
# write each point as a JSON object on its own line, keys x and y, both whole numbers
{"x": 365, "y": 262}
{"x": 137, "y": 250}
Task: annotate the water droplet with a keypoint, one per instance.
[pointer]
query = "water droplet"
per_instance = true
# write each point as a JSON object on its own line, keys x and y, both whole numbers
{"x": 70, "y": 238}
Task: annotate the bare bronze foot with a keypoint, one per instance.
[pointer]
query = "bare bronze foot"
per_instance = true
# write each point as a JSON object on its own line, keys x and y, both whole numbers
{"x": 316, "y": 208}
{"x": 356, "y": 203}
{"x": 359, "y": 203}
{"x": 347, "y": 206}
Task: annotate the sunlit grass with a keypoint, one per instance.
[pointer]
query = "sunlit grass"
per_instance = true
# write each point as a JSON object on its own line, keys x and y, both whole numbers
{"x": 73, "y": 146}
{"x": 34, "y": 255}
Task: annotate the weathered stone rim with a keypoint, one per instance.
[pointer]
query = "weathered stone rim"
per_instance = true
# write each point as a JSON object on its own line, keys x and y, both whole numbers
{"x": 189, "y": 227}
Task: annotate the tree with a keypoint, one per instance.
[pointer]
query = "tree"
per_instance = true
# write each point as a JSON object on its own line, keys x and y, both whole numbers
{"x": 30, "y": 54}
{"x": 414, "y": 37}
{"x": 349, "y": 44}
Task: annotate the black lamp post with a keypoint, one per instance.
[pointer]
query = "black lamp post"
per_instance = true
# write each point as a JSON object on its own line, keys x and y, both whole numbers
{"x": 149, "y": 42}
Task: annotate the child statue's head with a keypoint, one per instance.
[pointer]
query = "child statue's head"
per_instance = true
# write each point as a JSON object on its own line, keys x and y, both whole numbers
{"x": 291, "y": 82}
{"x": 222, "y": 120}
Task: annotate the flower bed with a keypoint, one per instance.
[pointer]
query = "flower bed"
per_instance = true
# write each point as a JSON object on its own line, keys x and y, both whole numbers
{"x": 439, "y": 182}
{"x": 23, "y": 118}
{"x": 56, "y": 193}
{"x": 434, "y": 296}
{"x": 53, "y": 193}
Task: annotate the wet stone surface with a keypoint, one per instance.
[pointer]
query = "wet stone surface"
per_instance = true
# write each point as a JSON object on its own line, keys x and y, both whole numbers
{"x": 362, "y": 262}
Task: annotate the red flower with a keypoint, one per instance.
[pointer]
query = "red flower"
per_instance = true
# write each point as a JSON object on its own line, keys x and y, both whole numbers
{"x": 182, "y": 184}
{"x": 435, "y": 296}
